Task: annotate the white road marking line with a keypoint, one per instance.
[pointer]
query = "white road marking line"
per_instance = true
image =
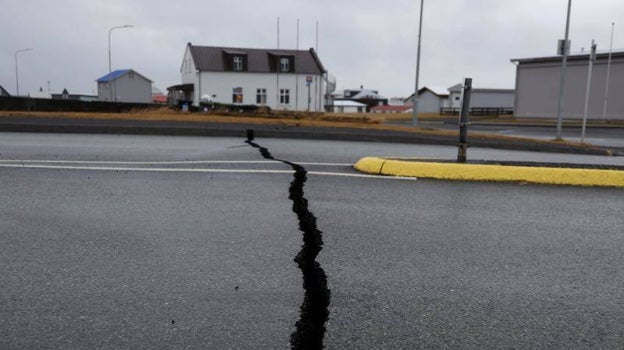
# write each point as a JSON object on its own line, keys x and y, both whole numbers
{"x": 46, "y": 161}
{"x": 187, "y": 170}
{"x": 164, "y": 170}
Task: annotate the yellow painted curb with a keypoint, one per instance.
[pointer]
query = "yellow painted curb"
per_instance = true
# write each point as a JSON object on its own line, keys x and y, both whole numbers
{"x": 489, "y": 172}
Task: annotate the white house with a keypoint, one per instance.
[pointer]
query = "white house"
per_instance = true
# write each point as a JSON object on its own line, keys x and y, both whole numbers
{"x": 430, "y": 99}
{"x": 348, "y": 106}
{"x": 125, "y": 85}
{"x": 279, "y": 79}
{"x": 483, "y": 98}
{"x": 370, "y": 98}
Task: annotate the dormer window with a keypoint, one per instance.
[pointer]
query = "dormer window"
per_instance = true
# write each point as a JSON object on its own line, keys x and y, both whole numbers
{"x": 284, "y": 64}
{"x": 237, "y": 63}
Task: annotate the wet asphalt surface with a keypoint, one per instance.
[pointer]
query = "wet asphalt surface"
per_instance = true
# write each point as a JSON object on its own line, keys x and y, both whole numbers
{"x": 598, "y": 136}
{"x": 115, "y": 257}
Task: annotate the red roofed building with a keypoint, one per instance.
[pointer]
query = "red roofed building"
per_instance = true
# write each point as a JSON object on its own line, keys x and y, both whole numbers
{"x": 391, "y": 109}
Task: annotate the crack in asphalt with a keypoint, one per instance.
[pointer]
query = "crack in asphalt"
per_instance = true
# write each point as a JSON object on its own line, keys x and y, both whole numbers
{"x": 310, "y": 328}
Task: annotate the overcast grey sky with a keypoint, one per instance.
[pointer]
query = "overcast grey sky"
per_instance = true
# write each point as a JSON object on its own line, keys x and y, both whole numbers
{"x": 364, "y": 42}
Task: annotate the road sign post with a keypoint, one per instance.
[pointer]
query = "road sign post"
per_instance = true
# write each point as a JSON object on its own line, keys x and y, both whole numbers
{"x": 463, "y": 121}
{"x": 308, "y": 83}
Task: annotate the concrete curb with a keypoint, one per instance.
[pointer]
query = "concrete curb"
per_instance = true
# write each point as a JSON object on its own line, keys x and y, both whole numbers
{"x": 573, "y": 176}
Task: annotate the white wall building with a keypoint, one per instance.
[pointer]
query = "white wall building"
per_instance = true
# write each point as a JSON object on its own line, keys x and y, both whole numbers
{"x": 279, "y": 79}
{"x": 430, "y": 99}
{"x": 538, "y": 79}
{"x": 483, "y": 98}
{"x": 347, "y": 106}
{"x": 125, "y": 85}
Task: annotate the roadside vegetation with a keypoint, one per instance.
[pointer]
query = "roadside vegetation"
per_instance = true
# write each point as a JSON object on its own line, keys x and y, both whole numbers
{"x": 371, "y": 121}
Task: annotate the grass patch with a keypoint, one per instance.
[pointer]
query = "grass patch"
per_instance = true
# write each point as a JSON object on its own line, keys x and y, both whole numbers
{"x": 369, "y": 121}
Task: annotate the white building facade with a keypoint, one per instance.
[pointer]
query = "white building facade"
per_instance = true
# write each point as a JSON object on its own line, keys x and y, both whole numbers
{"x": 125, "y": 85}
{"x": 483, "y": 98}
{"x": 430, "y": 99}
{"x": 279, "y": 79}
{"x": 538, "y": 79}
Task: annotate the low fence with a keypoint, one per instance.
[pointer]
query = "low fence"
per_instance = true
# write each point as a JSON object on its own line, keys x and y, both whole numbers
{"x": 479, "y": 111}
{"x": 49, "y": 105}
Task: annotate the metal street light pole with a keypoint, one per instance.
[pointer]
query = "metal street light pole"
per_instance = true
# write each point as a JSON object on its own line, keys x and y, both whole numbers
{"x": 564, "y": 66}
{"x": 415, "y": 108}
{"x": 592, "y": 58}
{"x": 109, "y": 43}
{"x": 606, "y": 97}
{"x": 16, "y": 70}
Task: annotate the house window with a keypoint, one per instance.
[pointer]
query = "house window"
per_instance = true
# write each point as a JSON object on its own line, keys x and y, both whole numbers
{"x": 131, "y": 75}
{"x": 237, "y": 95}
{"x": 285, "y": 96}
{"x": 261, "y": 97}
{"x": 284, "y": 64}
{"x": 237, "y": 63}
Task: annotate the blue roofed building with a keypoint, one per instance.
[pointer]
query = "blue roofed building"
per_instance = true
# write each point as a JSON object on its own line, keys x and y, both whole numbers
{"x": 125, "y": 85}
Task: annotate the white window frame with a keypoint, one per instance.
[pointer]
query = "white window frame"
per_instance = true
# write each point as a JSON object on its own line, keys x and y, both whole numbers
{"x": 236, "y": 92}
{"x": 261, "y": 97}
{"x": 284, "y": 97}
{"x": 284, "y": 64}
{"x": 237, "y": 63}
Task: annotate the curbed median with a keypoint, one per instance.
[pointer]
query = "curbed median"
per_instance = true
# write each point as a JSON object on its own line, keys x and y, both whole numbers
{"x": 537, "y": 173}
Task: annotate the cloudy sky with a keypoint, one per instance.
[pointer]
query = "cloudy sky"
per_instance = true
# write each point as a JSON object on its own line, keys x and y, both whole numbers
{"x": 364, "y": 42}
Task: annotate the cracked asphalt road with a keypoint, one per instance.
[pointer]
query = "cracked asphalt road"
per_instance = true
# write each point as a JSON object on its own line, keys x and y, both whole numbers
{"x": 106, "y": 258}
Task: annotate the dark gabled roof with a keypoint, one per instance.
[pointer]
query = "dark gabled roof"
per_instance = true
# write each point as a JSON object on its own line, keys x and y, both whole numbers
{"x": 576, "y": 57}
{"x": 210, "y": 58}
{"x": 434, "y": 90}
{"x": 114, "y": 75}
{"x": 3, "y": 92}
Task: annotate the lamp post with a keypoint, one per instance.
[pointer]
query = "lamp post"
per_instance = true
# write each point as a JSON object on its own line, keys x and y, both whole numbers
{"x": 564, "y": 66}
{"x": 16, "y": 70}
{"x": 109, "y": 42}
{"x": 415, "y": 107}
{"x": 606, "y": 97}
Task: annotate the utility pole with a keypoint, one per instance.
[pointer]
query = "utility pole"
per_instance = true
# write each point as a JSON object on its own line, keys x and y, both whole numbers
{"x": 297, "y": 71}
{"x": 415, "y": 108}
{"x": 606, "y": 97}
{"x": 109, "y": 43}
{"x": 277, "y": 90}
{"x": 592, "y": 58}
{"x": 565, "y": 47}
{"x": 17, "y": 70}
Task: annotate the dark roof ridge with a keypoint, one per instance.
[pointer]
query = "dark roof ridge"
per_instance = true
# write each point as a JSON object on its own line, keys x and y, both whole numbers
{"x": 212, "y": 59}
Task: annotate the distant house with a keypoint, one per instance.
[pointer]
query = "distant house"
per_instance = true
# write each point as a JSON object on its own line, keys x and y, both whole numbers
{"x": 125, "y": 85}
{"x": 65, "y": 95}
{"x": 44, "y": 94}
{"x": 483, "y": 98}
{"x": 279, "y": 79}
{"x": 158, "y": 96}
{"x": 430, "y": 99}
{"x": 538, "y": 79}
{"x": 370, "y": 98}
{"x": 346, "y": 106}
{"x": 3, "y": 92}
